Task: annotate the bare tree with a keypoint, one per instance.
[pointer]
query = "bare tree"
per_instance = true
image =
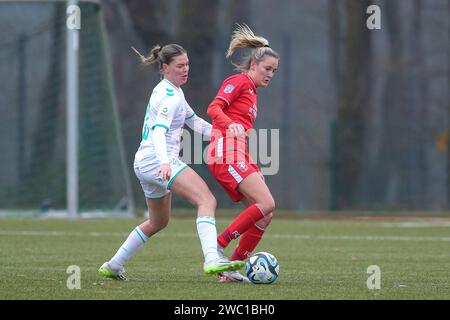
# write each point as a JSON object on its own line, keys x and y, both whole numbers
{"x": 354, "y": 96}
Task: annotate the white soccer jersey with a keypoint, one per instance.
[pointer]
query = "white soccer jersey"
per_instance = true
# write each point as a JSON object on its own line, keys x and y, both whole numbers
{"x": 169, "y": 109}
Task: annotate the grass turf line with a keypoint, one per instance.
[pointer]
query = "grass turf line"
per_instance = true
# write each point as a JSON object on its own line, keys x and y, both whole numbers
{"x": 320, "y": 259}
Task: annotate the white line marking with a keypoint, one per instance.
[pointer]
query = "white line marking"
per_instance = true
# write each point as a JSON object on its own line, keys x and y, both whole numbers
{"x": 417, "y": 224}
{"x": 194, "y": 235}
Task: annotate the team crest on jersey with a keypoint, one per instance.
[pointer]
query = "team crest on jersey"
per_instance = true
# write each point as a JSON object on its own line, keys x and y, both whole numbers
{"x": 229, "y": 88}
{"x": 242, "y": 166}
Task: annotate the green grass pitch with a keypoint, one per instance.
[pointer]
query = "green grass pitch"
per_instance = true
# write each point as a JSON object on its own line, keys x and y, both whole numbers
{"x": 319, "y": 259}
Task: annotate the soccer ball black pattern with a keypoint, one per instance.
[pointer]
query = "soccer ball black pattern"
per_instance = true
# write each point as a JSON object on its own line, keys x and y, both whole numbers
{"x": 262, "y": 268}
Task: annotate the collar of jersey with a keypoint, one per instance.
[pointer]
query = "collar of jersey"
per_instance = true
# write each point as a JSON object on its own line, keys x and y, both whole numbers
{"x": 171, "y": 84}
{"x": 250, "y": 79}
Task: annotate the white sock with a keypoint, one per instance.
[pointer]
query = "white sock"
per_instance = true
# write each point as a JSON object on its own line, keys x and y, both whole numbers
{"x": 220, "y": 250}
{"x": 134, "y": 241}
{"x": 207, "y": 232}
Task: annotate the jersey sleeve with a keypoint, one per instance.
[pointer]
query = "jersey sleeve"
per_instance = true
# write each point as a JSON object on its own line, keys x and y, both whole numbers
{"x": 215, "y": 112}
{"x": 167, "y": 109}
{"x": 230, "y": 90}
{"x": 196, "y": 123}
{"x": 189, "y": 112}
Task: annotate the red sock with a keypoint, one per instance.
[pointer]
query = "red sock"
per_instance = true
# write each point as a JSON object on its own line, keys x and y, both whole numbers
{"x": 247, "y": 243}
{"x": 242, "y": 223}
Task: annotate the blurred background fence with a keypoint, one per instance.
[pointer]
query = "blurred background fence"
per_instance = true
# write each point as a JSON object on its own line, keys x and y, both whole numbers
{"x": 363, "y": 114}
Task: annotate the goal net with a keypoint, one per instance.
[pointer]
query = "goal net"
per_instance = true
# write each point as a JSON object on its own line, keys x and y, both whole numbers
{"x": 33, "y": 114}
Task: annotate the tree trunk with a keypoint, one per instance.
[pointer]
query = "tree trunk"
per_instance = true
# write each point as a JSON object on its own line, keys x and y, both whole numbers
{"x": 354, "y": 97}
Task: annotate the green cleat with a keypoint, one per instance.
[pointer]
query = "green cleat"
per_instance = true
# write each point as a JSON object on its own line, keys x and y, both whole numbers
{"x": 221, "y": 265}
{"x": 107, "y": 272}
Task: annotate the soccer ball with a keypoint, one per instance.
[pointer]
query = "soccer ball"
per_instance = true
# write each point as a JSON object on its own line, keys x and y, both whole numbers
{"x": 262, "y": 268}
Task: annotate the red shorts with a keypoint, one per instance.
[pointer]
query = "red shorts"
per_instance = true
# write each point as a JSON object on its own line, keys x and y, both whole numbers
{"x": 230, "y": 175}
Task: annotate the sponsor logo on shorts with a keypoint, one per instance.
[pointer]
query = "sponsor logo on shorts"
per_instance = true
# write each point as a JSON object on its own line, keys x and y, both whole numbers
{"x": 176, "y": 162}
{"x": 242, "y": 166}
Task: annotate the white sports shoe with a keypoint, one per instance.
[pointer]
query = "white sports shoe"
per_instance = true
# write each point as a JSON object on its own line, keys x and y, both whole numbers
{"x": 233, "y": 276}
{"x": 106, "y": 271}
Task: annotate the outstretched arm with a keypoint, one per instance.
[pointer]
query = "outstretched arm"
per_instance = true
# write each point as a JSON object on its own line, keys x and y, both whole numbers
{"x": 199, "y": 125}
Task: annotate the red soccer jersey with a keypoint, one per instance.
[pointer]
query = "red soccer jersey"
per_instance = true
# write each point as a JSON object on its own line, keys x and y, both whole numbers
{"x": 239, "y": 93}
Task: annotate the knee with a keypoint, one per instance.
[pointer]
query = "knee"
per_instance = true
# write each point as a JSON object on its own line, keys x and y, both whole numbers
{"x": 267, "y": 206}
{"x": 268, "y": 218}
{"x": 273, "y": 206}
{"x": 160, "y": 225}
{"x": 212, "y": 201}
{"x": 208, "y": 199}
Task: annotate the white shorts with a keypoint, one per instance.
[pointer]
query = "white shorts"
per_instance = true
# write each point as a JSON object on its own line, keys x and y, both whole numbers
{"x": 153, "y": 185}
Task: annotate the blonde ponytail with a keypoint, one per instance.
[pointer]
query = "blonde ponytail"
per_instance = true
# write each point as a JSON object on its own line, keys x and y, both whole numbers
{"x": 243, "y": 37}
